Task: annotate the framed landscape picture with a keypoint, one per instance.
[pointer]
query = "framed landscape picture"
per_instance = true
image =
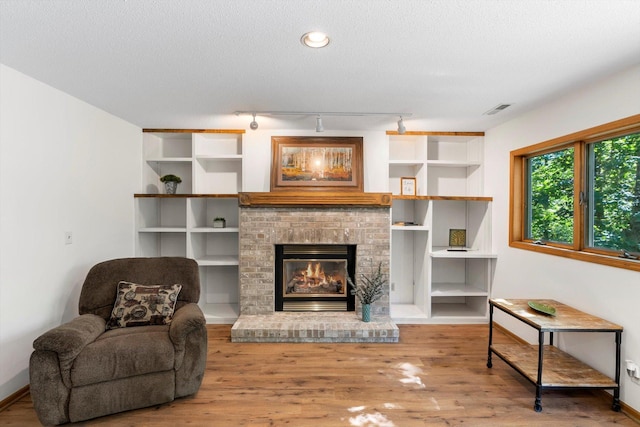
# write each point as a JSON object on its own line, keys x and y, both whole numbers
{"x": 316, "y": 163}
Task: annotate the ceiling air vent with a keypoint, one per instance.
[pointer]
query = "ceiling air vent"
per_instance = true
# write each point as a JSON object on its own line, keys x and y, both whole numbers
{"x": 497, "y": 109}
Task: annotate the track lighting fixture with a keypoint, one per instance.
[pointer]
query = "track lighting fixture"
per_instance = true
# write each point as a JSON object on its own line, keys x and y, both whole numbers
{"x": 253, "y": 125}
{"x": 401, "y": 128}
{"x": 319, "y": 125}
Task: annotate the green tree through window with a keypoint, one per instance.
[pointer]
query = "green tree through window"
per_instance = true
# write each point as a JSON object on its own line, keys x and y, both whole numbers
{"x": 578, "y": 195}
{"x": 550, "y": 212}
{"x": 614, "y": 181}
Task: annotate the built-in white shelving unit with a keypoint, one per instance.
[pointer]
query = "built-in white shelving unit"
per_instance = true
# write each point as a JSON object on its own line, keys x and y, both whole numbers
{"x": 429, "y": 282}
{"x": 210, "y": 165}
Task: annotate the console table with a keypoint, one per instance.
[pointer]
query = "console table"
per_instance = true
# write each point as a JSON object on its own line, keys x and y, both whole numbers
{"x": 546, "y": 366}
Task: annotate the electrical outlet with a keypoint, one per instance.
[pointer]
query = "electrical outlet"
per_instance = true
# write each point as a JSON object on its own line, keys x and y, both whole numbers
{"x": 393, "y": 286}
{"x": 68, "y": 238}
{"x": 632, "y": 369}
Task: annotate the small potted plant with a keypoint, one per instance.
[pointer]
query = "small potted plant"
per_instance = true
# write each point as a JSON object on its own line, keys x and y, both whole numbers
{"x": 171, "y": 183}
{"x": 219, "y": 222}
{"x": 368, "y": 291}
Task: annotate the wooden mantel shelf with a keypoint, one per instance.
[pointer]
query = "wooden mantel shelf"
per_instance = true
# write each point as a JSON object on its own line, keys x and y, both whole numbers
{"x": 314, "y": 199}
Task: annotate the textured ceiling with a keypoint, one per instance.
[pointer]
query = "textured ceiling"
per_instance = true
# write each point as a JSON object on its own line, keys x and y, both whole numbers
{"x": 192, "y": 63}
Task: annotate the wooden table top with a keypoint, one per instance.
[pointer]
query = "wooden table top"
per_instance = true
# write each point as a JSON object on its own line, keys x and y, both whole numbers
{"x": 566, "y": 318}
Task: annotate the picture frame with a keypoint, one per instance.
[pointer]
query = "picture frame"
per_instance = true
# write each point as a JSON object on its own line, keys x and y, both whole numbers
{"x": 457, "y": 239}
{"x": 316, "y": 163}
{"x": 408, "y": 186}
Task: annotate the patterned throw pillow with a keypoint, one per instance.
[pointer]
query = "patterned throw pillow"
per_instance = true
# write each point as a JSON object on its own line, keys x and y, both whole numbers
{"x": 141, "y": 305}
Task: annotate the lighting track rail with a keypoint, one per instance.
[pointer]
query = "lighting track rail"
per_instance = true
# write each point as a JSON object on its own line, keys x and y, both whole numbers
{"x": 318, "y": 115}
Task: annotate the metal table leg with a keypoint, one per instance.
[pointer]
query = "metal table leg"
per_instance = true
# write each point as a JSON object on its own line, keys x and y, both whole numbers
{"x": 616, "y": 391}
{"x": 489, "y": 364}
{"x": 538, "y": 406}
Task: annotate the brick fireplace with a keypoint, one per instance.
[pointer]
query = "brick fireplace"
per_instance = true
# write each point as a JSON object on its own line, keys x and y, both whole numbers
{"x": 319, "y": 218}
{"x": 314, "y": 277}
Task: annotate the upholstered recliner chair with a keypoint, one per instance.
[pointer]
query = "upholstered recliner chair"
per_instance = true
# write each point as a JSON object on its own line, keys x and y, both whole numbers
{"x": 99, "y": 364}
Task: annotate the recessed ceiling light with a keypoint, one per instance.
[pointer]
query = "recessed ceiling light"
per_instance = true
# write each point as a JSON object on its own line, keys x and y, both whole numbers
{"x": 315, "y": 39}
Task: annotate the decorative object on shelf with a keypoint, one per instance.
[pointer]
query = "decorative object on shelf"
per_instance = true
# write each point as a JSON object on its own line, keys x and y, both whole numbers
{"x": 368, "y": 291}
{"x": 457, "y": 239}
{"x": 366, "y": 312}
{"x": 219, "y": 222}
{"x": 316, "y": 163}
{"x": 542, "y": 308}
{"x": 171, "y": 183}
{"x": 407, "y": 186}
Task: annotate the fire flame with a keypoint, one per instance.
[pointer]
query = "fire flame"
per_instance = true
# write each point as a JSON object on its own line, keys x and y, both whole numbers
{"x": 314, "y": 272}
{"x": 309, "y": 276}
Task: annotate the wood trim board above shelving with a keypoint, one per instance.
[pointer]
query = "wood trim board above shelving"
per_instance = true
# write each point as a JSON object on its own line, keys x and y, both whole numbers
{"x": 463, "y": 198}
{"x": 434, "y": 133}
{"x": 238, "y": 131}
{"x": 184, "y": 196}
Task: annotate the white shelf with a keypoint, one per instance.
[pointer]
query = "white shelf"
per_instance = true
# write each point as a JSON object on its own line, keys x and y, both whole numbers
{"x": 456, "y": 289}
{"x": 220, "y": 313}
{"x": 408, "y": 314}
{"x": 219, "y": 157}
{"x": 214, "y": 230}
{"x": 169, "y": 160}
{"x": 406, "y": 162}
{"x": 440, "y": 252}
{"x": 210, "y": 162}
{"x": 451, "y": 164}
{"x": 162, "y": 230}
{"x": 458, "y": 310}
{"x": 430, "y": 283}
{"x": 409, "y": 228}
{"x": 217, "y": 260}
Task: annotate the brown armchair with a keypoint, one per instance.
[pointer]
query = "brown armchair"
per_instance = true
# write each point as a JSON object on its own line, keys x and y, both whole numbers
{"x": 80, "y": 370}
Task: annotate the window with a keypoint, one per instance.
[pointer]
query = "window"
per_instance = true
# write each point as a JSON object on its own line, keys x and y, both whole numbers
{"x": 613, "y": 184}
{"x": 579, "y": 195}
{"x": 550, "y": 196}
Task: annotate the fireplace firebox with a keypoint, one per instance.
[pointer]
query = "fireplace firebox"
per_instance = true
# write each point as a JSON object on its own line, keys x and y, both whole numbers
{"x": 314, "y": 277}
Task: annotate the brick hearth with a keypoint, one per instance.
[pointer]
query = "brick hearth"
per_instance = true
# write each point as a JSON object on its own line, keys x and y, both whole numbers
{"x": 313, "y": 327}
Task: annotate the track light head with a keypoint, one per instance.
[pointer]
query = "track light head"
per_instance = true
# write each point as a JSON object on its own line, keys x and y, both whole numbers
{"x": 253, "y": 125}
{"x": 401, "y": 128}
{"x": 319, "y": 127}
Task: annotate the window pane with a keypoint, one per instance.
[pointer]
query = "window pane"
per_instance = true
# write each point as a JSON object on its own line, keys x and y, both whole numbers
{"x": 550, "y": 193}
{"x": 614, "y": 181}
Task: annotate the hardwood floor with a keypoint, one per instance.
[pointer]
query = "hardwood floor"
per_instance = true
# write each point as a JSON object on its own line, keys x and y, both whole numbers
{"x": 435, "y": 376}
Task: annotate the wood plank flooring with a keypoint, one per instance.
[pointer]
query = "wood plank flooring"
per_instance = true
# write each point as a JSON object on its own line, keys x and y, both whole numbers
{"x": 435, "y": 376}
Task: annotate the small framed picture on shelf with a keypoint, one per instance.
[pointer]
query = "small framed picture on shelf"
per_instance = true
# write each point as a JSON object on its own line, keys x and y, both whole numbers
{"x": 457, "y": 239}
{"x": 407, "y": 186}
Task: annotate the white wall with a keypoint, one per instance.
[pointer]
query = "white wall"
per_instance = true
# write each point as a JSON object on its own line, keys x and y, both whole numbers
{"x": 257, "y": 157}
{"x": 64, "y": 166}
{"x": 608, "y": 292}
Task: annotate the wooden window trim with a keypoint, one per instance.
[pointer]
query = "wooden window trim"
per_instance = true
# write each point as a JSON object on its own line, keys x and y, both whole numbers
{"x": 517, "y": 194}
